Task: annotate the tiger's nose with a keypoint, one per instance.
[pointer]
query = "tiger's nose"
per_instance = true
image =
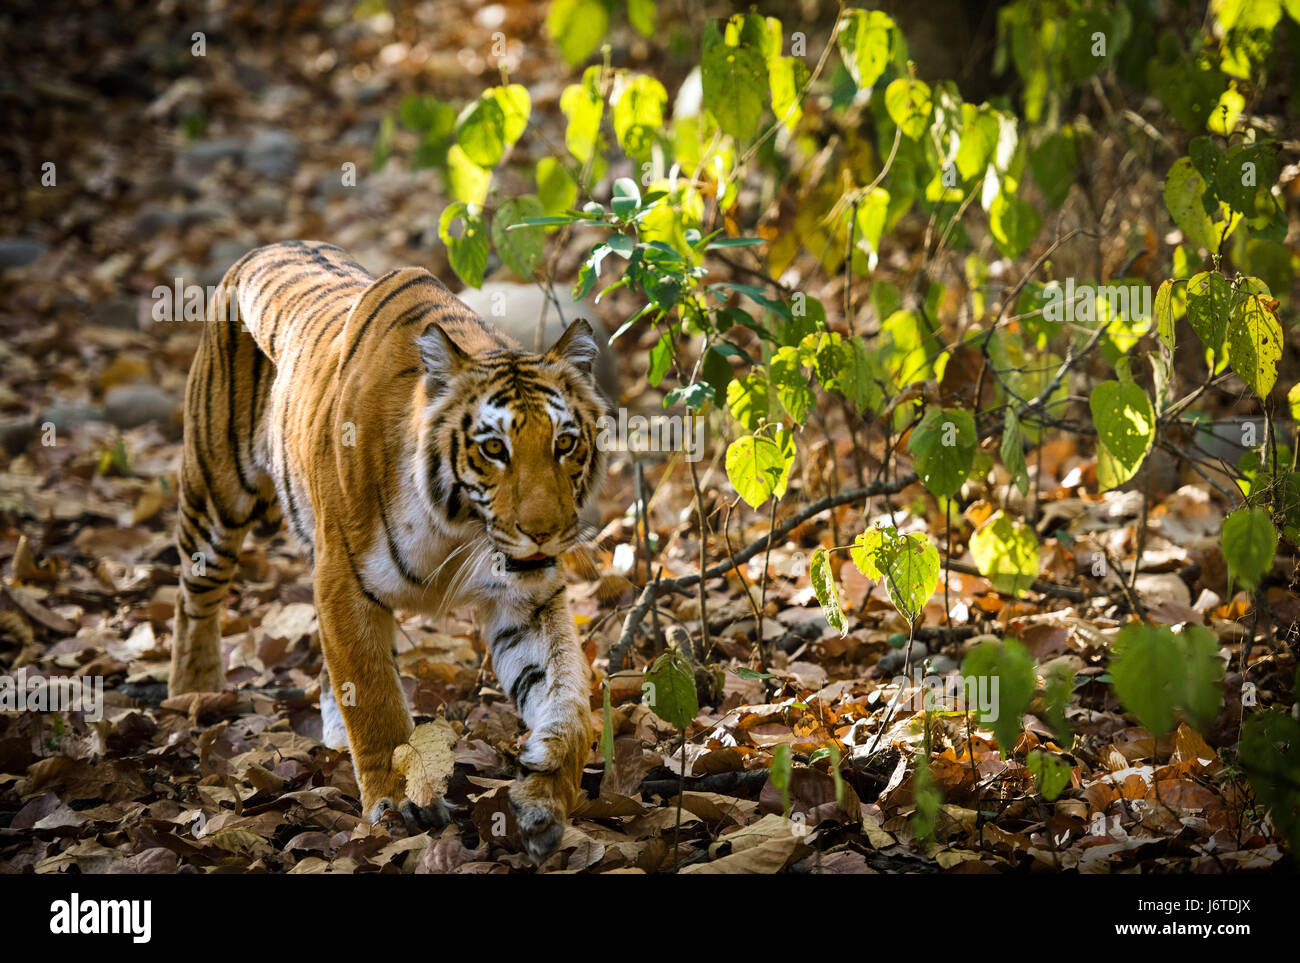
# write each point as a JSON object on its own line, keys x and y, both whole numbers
{"x": 542, "y": 536}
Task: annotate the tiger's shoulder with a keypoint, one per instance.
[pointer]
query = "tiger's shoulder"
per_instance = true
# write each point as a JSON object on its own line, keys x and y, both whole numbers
{"x": 296, "y": 290}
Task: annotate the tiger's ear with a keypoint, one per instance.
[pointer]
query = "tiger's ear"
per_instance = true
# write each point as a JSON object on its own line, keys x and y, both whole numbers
{"x": 443, "y": 358}
{"x": 577, "y": 346}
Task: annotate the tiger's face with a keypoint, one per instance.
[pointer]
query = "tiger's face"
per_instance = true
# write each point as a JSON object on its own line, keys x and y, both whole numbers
{"x": 512, "y": 441}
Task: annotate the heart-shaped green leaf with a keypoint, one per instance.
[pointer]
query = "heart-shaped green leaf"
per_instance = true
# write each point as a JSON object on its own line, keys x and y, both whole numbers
{"x": 1006, "y": 553}
{"x": 1126, "y": 427}
{"x": 1249, "y": 542}
{"x": 943, "y": 445}
{"x": 1004, "y": 684}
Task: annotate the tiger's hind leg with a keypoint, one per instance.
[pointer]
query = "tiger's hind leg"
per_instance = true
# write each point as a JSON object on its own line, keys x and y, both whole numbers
{"x": 223, "y": 493}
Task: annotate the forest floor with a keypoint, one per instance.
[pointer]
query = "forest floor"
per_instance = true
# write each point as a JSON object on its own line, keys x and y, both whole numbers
{"x": 240, "y": 781}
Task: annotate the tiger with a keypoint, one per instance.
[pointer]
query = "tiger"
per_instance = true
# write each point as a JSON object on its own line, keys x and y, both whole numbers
{"x": 423, "y": 459}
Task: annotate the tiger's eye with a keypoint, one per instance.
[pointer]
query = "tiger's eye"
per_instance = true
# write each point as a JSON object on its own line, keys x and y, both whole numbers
{"x": 564, "y": 444}
{"x": 493, "y": 448}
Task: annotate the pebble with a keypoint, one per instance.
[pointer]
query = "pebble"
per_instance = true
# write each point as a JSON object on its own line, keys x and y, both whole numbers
{"x": 221, "y": 255}
{"x": 895, "y": 659}
{"x": 66, "y": 415}
{"x": 20, "y": 251}
{"x": 203, "y": 157}
{"x": 129, "y": 406}
{"x": 272, "y": 153}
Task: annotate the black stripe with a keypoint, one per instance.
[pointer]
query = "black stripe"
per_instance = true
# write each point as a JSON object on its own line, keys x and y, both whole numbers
{"x": 356, "y": 573}
{"x": 507, "y": 639}
{"x": 393, "y": 550}
{"x": 424, "y": 279}
{"x": 529, "y": 678}
{"x": 232, "y": 432}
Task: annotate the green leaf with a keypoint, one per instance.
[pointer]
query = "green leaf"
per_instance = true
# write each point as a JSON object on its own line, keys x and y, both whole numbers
{"x": 520, "y": 246}
{"x": 607, "y": 733}
{"x": 1006, "y": 553}
{"x": 943, "y": 445}
{"x": 866, "y": 40}
{"x": 908, "y": 564}
{"x": 734, "y": 80}
{"x": 421, "y": 113}
{"x": 1126, "y": 428}
{"x": 786, "y": 77}
{"x": 1009, "y": 664}
{"x": 577, "y": 27}
{"x": 481, "y": 131}
{"x": 582, "y": 106}
{"x": 638, "y": 102}
{"x": 1058, "y": 684}
{"x": 909, "y": 105}
{"x": 1014, "y": 224}
{"x": 759, "y": 467}
{"x": 780, "y": 773}
{"x": 1254, "y": 344}
{"x": 1164, "y": 312}
{"x": 1051, "y": 771}
{"x": 625, "y": 198}
{"x": 670, "y": 690}
{"x": 515, "y": 106}
{"x": 1249, "y": 542}
{"x": 466, "y": 181}
{"x": 1053, "y": 164}
{"x": 717, "y": 371}
{"x": 823, "y": 583}
{"x": 1156, "y": 671}
{"x": 791, "y": 384}
{"x": 641, "y": 14}
{"x": 1185, "y": 190}
{"x": 749, "y": 401}
{"x": 1209, "y": 303}
{"x": 1013, "y": 451}
{"x": 1244, "y": 172}
{"x": 383, "y": 142}
{"x": 1203, "y": 692}
{"x": 1270, "y": 754}
{"x": 468, "y": 252}
{"x": 661, "y": 358}
{"x": 555, "y": 188}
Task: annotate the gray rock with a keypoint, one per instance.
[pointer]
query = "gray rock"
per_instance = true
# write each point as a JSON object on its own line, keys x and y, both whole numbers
{"x": 221, "y": 255}
{"x": 153, "y": 219}
{"x": 895, "y": 659}
{"x": 204, "y": 156}
{"x": 20, "y": 251}
{"x": 330, "y": 183}
{"x": 262, "y": 204}
{"x": 16, "y": 434}
{"x": 66, "y": 415}
{"x": 122, "y": 313}
{"x": 201, "y": 213}
{"x": 130, "y": 406}
{"x": 943, "y": 664}
{"x": 272, "y": 153}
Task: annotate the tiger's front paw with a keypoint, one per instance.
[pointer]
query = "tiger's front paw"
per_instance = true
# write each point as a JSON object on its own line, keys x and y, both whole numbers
{"x": 416, "y": 819}
{"x": 540, "y": 808}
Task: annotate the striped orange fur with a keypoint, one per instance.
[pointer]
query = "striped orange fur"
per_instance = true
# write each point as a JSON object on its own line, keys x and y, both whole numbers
{"x": 424, "y": 459}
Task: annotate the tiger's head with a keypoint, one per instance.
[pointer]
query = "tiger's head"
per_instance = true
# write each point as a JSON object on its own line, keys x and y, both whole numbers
{"x": 510, "y": 440}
